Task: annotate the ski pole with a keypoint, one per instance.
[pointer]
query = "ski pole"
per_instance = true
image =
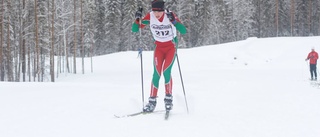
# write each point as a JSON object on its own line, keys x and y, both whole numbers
{"x": 308, "y": 68}
{"x": 141, "y": 68}
{"x": 184, "y": 92}
{"x": 176, "y": 45}
{"x": 140, "y": 54}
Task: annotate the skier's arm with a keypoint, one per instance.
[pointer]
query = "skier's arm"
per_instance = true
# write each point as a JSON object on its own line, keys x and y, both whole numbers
{"x": 308, "y": 57}
{"x": 136, "y": 25}
{"x": 177, "y": 23}
{"x": 181, "y": 28}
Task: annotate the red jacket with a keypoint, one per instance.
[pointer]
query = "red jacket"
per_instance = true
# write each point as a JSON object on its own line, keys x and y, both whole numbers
{"x": 313, "y": 56}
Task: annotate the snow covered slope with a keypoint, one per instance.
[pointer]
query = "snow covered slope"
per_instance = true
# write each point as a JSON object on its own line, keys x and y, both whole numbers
{"x": 251, "y": 88}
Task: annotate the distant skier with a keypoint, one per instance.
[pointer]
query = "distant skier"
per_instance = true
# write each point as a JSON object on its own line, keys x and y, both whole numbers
{"x": 163, "y": 25}
{"x": 313, "y": 57}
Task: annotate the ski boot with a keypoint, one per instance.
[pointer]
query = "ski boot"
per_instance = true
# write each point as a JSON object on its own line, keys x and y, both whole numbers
{"x": 151, "y": 105}
{"x": 168, "y": 102}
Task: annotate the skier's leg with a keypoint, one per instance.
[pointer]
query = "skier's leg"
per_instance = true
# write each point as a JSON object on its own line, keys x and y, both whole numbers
{"x": 169, "y": 60}
{"x": 315, "y": 71}
{"x": 311, "y": 71}
{"x": 157, "y": 65}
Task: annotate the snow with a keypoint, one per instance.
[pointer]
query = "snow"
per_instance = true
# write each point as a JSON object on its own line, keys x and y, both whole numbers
{"x": 250, "y": 88}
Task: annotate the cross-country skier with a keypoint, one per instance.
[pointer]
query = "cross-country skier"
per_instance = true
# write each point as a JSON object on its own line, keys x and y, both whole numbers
{"x": 163, "y": 25}
{"x": 313, "y": 57}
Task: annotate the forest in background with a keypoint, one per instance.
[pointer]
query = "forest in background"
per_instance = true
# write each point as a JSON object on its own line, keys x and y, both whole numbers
{"x": 40, "y": 39}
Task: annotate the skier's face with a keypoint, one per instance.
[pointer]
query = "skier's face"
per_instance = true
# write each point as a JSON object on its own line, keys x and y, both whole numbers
{"x": 158, "y": 14}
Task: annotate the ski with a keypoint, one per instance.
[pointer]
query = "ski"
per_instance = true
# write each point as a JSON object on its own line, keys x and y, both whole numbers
{"x": 137, "y": 113}
{"x": 166, "y": 116}
{"x": 128, "y": 115}
{"x": 315, "y": 84}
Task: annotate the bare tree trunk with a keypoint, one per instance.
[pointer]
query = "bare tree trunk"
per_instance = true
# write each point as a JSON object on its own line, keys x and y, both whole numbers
{"x": 92, "y": 46}
{"x": 9, "y": 65}
{"x": 81, "y": 32}
{"x": 9, "y": 54}
{"x": 37, "y": 59}
{"x": 67, "y": 56}
{"x": 292, "y": 16}
{"x": 52, "y": 45}
{"x": 42, "y": 63}
{"x": 19, "y": 51}
{"x": 23, "y": 46}
{"x": 277, "y": 17}
{"x": 59, "y": 56}
{"x": 1, "y": 43}
{"x": 29, "y": 63}
{"x": 310, "y": 16}
{"x": 75, "y": 41}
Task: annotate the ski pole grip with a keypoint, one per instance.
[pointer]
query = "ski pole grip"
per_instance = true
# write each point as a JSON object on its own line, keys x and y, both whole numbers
{"x": 140, "y": 50}
{"x": 140, "y": 9}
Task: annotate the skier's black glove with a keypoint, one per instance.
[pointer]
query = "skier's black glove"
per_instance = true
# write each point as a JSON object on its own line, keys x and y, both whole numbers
{"x": 171, "y": 17}
{"x": 138, "y": 14}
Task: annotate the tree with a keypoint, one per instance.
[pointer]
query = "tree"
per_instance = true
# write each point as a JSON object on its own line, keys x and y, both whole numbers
{"x": 37, "y": 48}
{"x": 1, "y": 42}
{"x": 292, "y": 13}
{"x": 75, "y": 38}
{"x": 23, "y": 42}
{"x": 39, "y": 36}
{"x": 81, "y": 35}
{"x": 99, "y": 23}
{"x": 52, "y": 43}
{"x": 9, "y": 56}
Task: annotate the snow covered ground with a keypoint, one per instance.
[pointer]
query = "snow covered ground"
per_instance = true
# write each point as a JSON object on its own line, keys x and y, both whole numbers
{"x": 250, "y": 88}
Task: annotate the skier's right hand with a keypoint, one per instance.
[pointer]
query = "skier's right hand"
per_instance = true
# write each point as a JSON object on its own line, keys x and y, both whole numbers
{"x": 138, "y": 14}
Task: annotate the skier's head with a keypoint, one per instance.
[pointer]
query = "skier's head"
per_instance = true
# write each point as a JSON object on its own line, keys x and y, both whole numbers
{"x": 312, "y": 48}
{"x": 157, "y": 5}
{"x": 158, "y": 8}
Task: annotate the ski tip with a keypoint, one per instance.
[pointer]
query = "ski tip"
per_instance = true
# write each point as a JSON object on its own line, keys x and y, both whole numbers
{"x": 166, "y": 116}
{"x": 116, "y": 116}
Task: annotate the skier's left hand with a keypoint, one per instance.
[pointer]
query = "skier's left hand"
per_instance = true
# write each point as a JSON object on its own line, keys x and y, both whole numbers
{"x": 171, "y": 17}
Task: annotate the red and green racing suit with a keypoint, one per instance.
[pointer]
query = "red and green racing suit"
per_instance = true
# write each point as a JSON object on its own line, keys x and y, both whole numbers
{"x": 165, "y": 41}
